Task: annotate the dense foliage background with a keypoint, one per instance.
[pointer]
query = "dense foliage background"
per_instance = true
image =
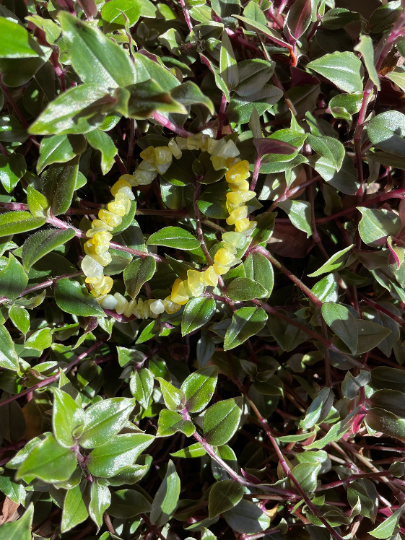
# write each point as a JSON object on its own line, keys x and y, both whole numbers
{"x": 271, "y": 404}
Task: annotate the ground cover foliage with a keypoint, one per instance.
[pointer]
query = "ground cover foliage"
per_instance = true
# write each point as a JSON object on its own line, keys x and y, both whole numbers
{"x": 220, "y": 352}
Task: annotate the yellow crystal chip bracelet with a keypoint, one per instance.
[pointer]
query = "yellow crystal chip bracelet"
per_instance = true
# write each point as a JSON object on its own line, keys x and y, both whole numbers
{"x": 224, "y": 154}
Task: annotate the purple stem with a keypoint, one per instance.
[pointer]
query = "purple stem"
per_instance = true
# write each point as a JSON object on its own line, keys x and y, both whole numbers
{"x": 162, "y": 120}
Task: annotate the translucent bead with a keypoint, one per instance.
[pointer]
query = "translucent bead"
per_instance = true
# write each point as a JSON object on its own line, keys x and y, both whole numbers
{"x": 239, "y": 197}
{"x": 224, "y": 257}
{"x": 104, "y": 259}
{"x": 240, "y": 171}
{"x": 121, "y": 303}
{"x": 104, "y": 287}
{"x": 230, "y": 162}
{"x": 251, "y": 228}
{"x": 194, "y": 142}
{"x": 144, "y": 178}
{"x": 241, "y": 225}
{"x": 122, "y": 186}
{"x": 91, "y": 267}
{"x": 128, "y": 309}
{"x": 148, "y": 154}
{"x": 120, "y": 205}
{"x": 219, "y": 146}
{"x": 238, "y": 213}
{"x": 130, "y": 179}
{"x": 146, "y": 166}
{"x": 230, "y": 150}
{"x": 195, "y": 283}
{"x": 91, "y": 249}
{"x": 178, "y": 294}
{"x": 163, "y": 168}
{"x": 157, "y": 307}
{"x": 211, "y": 144}
{"x": 174, "y": 149}
{"x": 144, "y": 309}
{"x": 241, "y": 187}
{"x": 218, "y": 163}
{"x": 204, "y": 142}
{"x": 163, "y": 155}
{"x": 219, "y": 269}
{"x": 236, "y": 239}
{"x": 230, "y": 247}
{"x": 181, "y": 143}
{"x": 98, "y": 226}
{"x": 101, "y": 238}
{"x": 210, "y": 277}
{"x": 170, "y": 307}
{"x": 109, "y": 302}
{"x": 109, "y": 218}
{"x": 94, "y": 280}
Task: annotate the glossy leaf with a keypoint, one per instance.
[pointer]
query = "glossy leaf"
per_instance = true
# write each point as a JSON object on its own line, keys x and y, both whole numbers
{"x": 13, "y": 279}
{"x": 199, "y": 387}
{"x": 71, "y": 297}
{"x": 43, "y": 242}
{"x": 166, "y": 498}
{"x": 16, "y": 42}
{"x": 137, "y": 273}
{"x": 58, "y": 185}
{"x": 246, "y": 322}
{"x": 342, "y": 322}
{"x": 103, "y": 143}
{"x": 241, "y": 289}
{"x": 20, "y": 529}
{"x": 224, "y": 495}
{"x": 67, "y": 417}
{"x": 221, "y": 421}
{"x": 8, "y": 355}
{"x": 376, "y": 225}
{"x": 247, "y": 518}
{"x": 197, "y": 313}
{"x": 341, "y": 68}
{"x": 59, "y": 149}
{"x": 170, "y": 422}
{"x": 12, "y": 169}
{"x": 174, "y": 237}
{"x": 19, "y": 222}
{"x": 74, "y": 509}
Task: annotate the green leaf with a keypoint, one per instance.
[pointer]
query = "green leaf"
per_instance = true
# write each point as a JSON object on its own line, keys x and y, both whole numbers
{"x": 189, "y": 94}
{"x": 344, "y": 180}
{"x": 345, "y": 105}
{"x": 299, "y": 17}
{"x": 74, "y": 508}
{"x": 127, "y": 503}
{"x": 16, "y": 42}
{"x": 19, "y": 222}
{"x": 147, "y": 96}
{"x": 60, "y": 149}
{"x": 104, "y": 420}
{"x": 49, "y": 461}
{"x": 253, "y": 74}
{"x": 384, "y": 16}
{"x": 263, "y": 29}
{"x": 299, "y": 213}
{"x": 173, "y": 237}
{"x": 95, "y": 57}
{"x": 199, "y": 387}
{"x": 336, "y": 262}
{"x": 376, "y": 225}
{"x": 114, "y": 11}
{"x": 259, "y": 268}
{"x": 20, "y": 529}
{"x": 170, "y": 422}
{"x": 37, "y": 203}
{"x": 8, "y": 356}
{"x": 387, "y": 131}
{"x": 12, "y": 169}
{"x": 100, "y": 500}
{"x": 39, "y": 340}
{"x": 228, "y": 64}
{"x": 351, "y": 385}
{"x": 137, "y": 273}
{"x": 339, "y": 18}
{"x": 221, "y": 421}
{"x": 11, "y": 130}
{"x": 335, "y": 433}
{"x": 13, "y": 279}
{"x": 246, "y": 322}
{"x": 342, "y": 322}
{"x": 223, "y": 496}
{"x": 319, "y": 409}
{"x": 197, "y": 313}
{"x": 386, "y": 422}
{"x": 245, "y": 289}
{"x": 41, "y": 243}
{"x": 103, "y": 143}
{"x": 72, "y": 298}
{"x": 390, "y": 400}
{"x": 329, "y": 148}
{"x": 369, "y": 335}
{"x": 58, "y": 185}
{"x": 341, "y": 68}
{"x": 247, "y": 518}
{"x": 193, "y": 451}
{"x": 166, "y": 498}
{"x": 306, "y": 475}
{"x": 141, "y": 385}
{"x": 365, "y": 47}
{"x": 78, "y": 110}
{"x": 109, "y": 459}
{"x": 397, "y": 76}
{"x": 387, "y": 528}
{"x": 174, "y": 398}
{"x": 20, "y": 318}
{"x": 67, "y": 417}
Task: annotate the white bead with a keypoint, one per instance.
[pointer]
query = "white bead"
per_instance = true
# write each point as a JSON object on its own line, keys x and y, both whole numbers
{"x": 157, "y": 307}
{"x": 91, "y": 268}
{"x": 121, "y": 303}
{"x": 109, "y": 302}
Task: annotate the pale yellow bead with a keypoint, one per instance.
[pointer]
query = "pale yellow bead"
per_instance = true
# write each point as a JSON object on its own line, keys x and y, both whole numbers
{"x": 204, "y": 142}
{"x": 193, "y": 142}
{"x": 109, "y": 302}
{"x": 211, "y": 144}
{"x": 237, "y": 214}
{"x": 170, "y": 307}
{"x": 157, "y": 307}
{"x": 181, "y": 143}
{"x": 242, "y": 225}
{"x": 236, "y": 239}
{"x": 219, "y": 269}
{"x": 163, "y": 155}
{"x": 91, "y": 267}
{"x": 179, "y": 294}
{"x": 229, "y": 150}
{"x": 219, "y": 146}
{"x": 98, "y": 226}
{"x": 238, "y": 172}
{"x": 130, "y": 179}
{"x": 144, "y": 178}
{"x": 102, "y": 238}
{"x": 242, "y": 186}
{"x": 104, "y": 259}
{"x": 122, "y": 186}
{"x": 174, "y": 148}
{"x": 218, "y": 163}
{"x": 121, "y": 303}
{"x": 195, "y": 283}
{"x": 210, "y": 277}
{"x": 148, "y": 154}
{"x": 224, "y": 257}
{"x": 110, "y": 219}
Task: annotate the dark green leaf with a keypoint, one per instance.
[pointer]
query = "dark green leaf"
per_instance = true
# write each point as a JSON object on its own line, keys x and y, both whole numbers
{"x": 221, "y": 421}
{"x": 41, "y": 243}
{"x": 224, "y": 495}
{"x": 174, "y": 237}
{"x": 241, "y": 289}
{"x": 71, "y": 297}
{"x": 246, "y": 322}
{"x": 197, "y": 313}
{"x": 137, "y": 273}
{"x": 19, "y": 222}
{"x": 58, "y": 185}
{"x": 166, "y": 498}
{"x": 199, "y": 387}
